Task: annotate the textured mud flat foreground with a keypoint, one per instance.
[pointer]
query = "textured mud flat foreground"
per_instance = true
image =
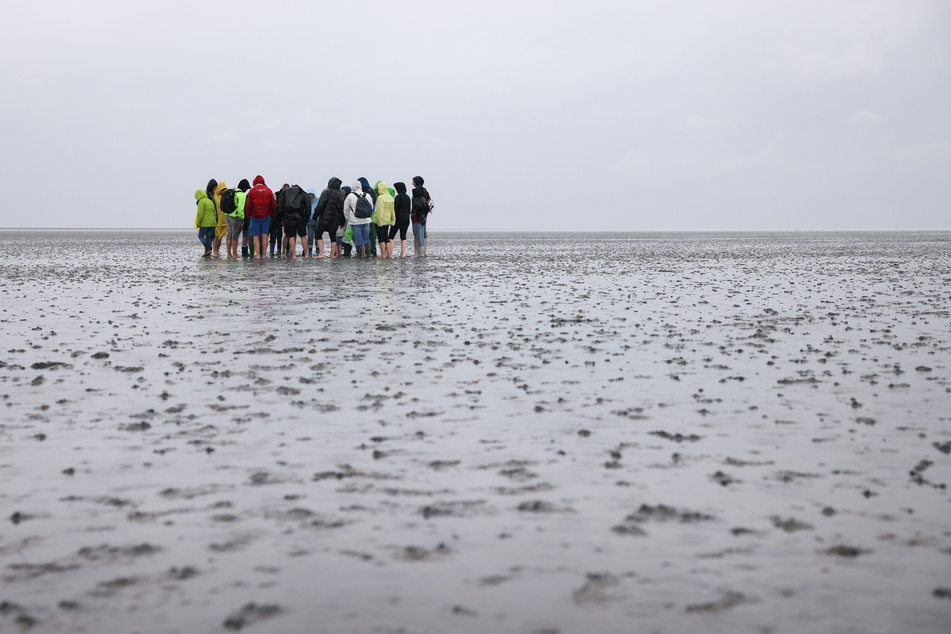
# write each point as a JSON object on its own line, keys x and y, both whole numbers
{"x": 618, "y": 433}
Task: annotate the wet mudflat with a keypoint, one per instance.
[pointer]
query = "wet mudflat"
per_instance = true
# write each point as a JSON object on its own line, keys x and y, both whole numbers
{"x": 554, "y": 433}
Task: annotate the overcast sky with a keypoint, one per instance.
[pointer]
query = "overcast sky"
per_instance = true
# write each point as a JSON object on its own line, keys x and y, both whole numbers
{"x": 586, "y": 115}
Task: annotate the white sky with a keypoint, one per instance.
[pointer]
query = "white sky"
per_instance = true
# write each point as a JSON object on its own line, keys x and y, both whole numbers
{"x": 661, "y": 115}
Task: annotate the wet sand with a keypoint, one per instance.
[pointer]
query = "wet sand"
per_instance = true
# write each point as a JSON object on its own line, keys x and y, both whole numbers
{"x": 555, "y": 433}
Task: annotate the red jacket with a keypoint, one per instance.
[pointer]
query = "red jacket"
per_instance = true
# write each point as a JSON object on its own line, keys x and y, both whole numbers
{"x": 260, "y": 202}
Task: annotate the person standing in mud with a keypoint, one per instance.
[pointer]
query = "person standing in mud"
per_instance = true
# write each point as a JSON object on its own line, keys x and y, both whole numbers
{"x": 372, "y": 191}
{"x": 260, "y": 206}
{"x": 296, "y": 212}
{"x": 277, "y": 232}
{"x": 403, "y": 208}
{"x": 222, "y": 218}
{"x": 311, "y": 222}
{"x": 358, "y": 222}
{"x": 236, "y": 218}
{"x": 383, "y": 219}
{"x": 205, "y": 220}
{"x": 329, "y": 215}
{"x": 421, "y": 208}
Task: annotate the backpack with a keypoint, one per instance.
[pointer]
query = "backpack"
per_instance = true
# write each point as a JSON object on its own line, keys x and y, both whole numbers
{"x": 294, "y": 201}
{"x": 228, "y": 204}
{"x": 363, "y": 209}
{"x": 422, "y": 206}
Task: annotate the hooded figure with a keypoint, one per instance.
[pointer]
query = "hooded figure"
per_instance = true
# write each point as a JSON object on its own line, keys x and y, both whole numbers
{"x": 384, "y": 219}
{"x": 311, "y": 221}
{"x": 350, "y": 205}
{"x": 206, "y": 219}
{"x": 384, "y": 214}
{"x": 372, "y": 191}
{"x": 403, "y": 209}
{"x": 313, "y": 201}
{"x": 221, "y": 229}
{"x": 421, "y": 208}
{"x": 360, "y": 225}
{"x": 329, "y": 209}
{"x": 260, "y": 200}
{"x": 329, "y": 215}
{"x": 207, "y": 216}
{"x": 365, "y": 184}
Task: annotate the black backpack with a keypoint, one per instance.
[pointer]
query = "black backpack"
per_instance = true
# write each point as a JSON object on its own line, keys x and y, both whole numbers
{"x": 228, "y": 204}
{"x": 364, "y": 208}
{"x": 293, "y": 200}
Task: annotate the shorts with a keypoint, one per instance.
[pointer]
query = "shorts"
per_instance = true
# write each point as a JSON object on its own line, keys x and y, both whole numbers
{"x": 401, "y": 226}
{"x": 322, "y": 229}
{"x": 235, "y": 225}
{"x": 260, "y": 226}
{"x": 383, "y": 233}
{"x": 294, "y": 229}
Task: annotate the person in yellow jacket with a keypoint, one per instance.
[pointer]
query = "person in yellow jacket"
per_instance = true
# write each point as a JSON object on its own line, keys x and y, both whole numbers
{"x": 221, "y": 229}
{"x": 205, "y": 220}
{"x": 384, "y": 217}
{"x": 236, "y": 219}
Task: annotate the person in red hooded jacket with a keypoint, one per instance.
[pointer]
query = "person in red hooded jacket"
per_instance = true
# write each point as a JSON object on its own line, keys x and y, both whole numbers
{"x": 260, "y": 207}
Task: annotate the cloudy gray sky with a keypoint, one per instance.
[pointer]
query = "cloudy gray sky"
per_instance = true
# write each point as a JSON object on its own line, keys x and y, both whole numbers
{"x": 636, "y": 115}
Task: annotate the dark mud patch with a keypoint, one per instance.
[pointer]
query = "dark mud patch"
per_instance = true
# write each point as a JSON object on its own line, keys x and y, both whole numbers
{"x": 678, "y": 437}
{"x": 542, "y": 506}
{"x": 118, "y": 552}
{"x": 727, "y": 601}
{"x": 250, "y": 614}
{"x": 24, "y": 571}
{"x": 790, "y": 525}
{"x": 462, "y": 508}
{"x": 848, "y": 552}
{"x": 418, "y": 553}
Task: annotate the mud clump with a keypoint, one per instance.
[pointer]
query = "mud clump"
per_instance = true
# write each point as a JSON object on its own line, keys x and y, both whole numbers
{"x": 250, "y": 614}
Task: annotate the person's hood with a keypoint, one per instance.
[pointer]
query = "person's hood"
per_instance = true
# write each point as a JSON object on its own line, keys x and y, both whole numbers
{"x": 200, "y": 193}
{"x": 210, "y": 188}
{"x": 400, "y": 187}
{"x": 259, "y": 180}
{"x": 314, "y": 200}
{"x": 346, "y": 190}
{"x": 364, "y": 184}
{"x": 382, "y": 188}
{"x": 392, "y": 192}
{"x": 334, "y": 183}
{"x": 221, "y": 187}
{"x": 244, "y": 185}
{"x": 358, "y": 187}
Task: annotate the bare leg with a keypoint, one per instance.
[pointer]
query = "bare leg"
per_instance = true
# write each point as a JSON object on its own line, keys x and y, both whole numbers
{"x": 303, "y": 243}
{"x": 320, "y": 248}
{"x": 290, "y": 247}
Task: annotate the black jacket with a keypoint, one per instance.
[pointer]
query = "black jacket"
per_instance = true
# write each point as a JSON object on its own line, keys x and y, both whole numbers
{"x": 403, "y": 204}
{"x": 330, "y": 206}
{"x": 420, "y": 205}
{"x": 295, "y": 206}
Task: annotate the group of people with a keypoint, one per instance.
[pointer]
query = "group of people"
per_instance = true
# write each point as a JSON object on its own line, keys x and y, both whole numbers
{"x": 356, "y": 219}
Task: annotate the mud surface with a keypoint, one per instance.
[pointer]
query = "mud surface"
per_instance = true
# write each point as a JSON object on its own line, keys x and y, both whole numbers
{"x": 612, "y": 433}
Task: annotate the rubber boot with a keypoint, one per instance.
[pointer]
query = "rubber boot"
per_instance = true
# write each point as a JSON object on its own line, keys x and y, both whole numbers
{"x": 244, "y": 252}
